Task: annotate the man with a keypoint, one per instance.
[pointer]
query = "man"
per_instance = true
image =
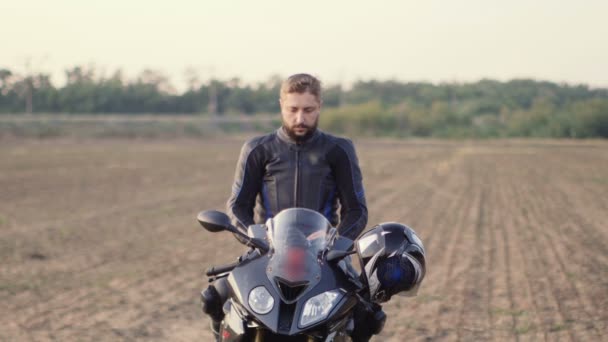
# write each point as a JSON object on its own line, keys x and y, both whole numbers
{"x": 299, "y": 166}
{"x": 295, "y": 166}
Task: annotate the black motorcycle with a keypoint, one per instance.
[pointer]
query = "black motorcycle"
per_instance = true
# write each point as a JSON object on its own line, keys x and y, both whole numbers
{"x": 296, "y": 283}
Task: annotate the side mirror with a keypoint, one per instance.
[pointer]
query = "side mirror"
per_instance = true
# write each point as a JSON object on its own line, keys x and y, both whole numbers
{"x": 214, "y": 221}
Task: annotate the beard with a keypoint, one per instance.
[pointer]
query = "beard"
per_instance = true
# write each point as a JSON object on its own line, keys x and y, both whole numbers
{"x": 310, "y": 130}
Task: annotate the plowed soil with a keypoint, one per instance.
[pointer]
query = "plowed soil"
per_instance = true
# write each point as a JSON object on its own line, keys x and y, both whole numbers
{"x": 98, "y": 239}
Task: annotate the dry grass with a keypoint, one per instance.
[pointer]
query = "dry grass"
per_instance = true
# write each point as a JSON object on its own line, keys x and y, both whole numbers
{"x": 98, "y": 239}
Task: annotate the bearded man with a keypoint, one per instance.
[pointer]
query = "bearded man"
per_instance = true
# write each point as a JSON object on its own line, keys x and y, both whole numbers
{"x": 298, "y": 165}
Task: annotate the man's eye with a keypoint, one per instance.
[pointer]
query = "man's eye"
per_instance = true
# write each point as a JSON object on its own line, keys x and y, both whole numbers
{"x": 309, "y": 110}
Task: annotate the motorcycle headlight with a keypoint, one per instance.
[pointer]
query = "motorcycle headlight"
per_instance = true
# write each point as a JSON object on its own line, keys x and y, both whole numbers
{"x": 318, "y": 307}
{"x": 260, "y": 300}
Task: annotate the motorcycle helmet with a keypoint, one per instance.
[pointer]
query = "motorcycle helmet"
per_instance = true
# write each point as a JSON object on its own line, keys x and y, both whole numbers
{"x": 393, "y": 261}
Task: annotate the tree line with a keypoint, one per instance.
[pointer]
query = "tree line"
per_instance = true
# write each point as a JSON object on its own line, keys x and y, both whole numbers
{"x": 487, "y": 108}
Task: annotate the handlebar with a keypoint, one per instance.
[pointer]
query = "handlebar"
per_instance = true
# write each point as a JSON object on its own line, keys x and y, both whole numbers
{"x": 213, "y": 271}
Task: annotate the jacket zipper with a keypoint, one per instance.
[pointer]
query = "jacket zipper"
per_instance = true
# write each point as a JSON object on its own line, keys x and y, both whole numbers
{"x": 297, "y": 176}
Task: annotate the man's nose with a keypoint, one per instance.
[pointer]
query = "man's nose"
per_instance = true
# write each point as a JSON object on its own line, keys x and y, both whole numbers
{"x": 299, "y": 117}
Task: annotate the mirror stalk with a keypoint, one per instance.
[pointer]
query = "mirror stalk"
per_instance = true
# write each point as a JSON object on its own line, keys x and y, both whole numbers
{"x": 251, "y": 242}
{"x": 336, "y": 255}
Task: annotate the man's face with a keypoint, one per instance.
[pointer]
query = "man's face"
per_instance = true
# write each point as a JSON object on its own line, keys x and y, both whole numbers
{"x": 300, "y": 114}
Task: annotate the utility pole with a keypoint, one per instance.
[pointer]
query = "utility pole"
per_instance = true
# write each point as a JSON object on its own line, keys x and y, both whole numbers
{"x": 341, "y": 82}
{"x": 29, "y": 95}
{"x": 212, "y": 104}
{"x": 28, "y": 82}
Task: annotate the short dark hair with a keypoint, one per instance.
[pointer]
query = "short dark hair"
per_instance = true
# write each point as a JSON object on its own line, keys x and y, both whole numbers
{"x": 301, "y": 83}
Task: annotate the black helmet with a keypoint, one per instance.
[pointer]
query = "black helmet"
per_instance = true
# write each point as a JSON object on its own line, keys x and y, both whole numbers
{"x": 393, "y": 261}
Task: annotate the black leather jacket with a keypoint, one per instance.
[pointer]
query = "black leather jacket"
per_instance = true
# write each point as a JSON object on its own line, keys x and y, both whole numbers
{"x": 322, "y": 173}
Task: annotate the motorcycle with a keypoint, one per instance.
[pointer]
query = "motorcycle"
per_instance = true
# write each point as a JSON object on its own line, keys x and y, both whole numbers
{"x": 296, "y": 282}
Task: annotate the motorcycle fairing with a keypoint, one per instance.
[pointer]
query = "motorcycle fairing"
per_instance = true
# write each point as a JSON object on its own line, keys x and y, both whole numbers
{"x": 284, "y": 318}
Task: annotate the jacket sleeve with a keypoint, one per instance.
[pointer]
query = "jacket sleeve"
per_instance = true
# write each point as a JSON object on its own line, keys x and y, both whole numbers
{"x": 353, "y": 212}
{"x": 246, "y": 186}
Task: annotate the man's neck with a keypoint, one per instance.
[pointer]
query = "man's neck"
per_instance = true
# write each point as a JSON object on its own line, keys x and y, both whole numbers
{"x": 287, "y": 137}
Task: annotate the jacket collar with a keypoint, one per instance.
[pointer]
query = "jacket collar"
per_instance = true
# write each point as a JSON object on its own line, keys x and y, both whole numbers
{"x": 286, "y": 138}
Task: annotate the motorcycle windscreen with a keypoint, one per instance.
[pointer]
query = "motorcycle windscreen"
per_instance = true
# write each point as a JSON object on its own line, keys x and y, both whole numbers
{"x": 297, "y": 236}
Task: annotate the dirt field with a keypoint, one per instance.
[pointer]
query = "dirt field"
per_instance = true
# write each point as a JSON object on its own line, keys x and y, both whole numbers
{"x": 98, "y": 239}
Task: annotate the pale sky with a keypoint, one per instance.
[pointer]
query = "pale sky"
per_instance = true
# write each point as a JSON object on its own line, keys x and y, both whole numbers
{"x": 339, "y": 41}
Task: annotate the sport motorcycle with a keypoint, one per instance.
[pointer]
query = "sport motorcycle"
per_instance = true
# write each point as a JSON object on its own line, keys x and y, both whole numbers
{"x": 298, "y": 281}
